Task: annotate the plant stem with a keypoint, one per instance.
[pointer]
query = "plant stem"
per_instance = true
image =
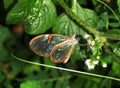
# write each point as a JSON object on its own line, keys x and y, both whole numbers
{"x": 84, "y": 24}
{"x": 77, "y": 19}
{"x": 74, "y": 6}
{"x": 110, "y": 10}
{"x": 65, "y": 69}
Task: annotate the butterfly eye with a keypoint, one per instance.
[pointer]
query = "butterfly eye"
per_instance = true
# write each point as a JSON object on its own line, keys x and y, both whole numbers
{"x": 61, "y": 53}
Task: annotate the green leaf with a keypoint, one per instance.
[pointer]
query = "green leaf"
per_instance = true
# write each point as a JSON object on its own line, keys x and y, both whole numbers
{"x": 88, "y": 84}
{"x": 8, "y": 84}
{"x": 30, "y": 84}
{"x": 2, "y": 77}
{"x": 114, "y": 24}
{"x": 19, "y": 12}
{"x": 118, "y": 3}
{"x": 64, "y": 25}
{"x": 5, "y": 31}
{"x": 3, "y": 53}
{"x": 113, "y": 31}
{"x": 49, "y": 62}
{"x": 31, "y": 69}
{"x": 58, "y": 84}
{"x": 42, "y": 20}
{"x": 7, "y": 3}
{"x": 49, "y": 85}
{"x": 107, "y": 59}
{"x": 36, "y": 15}
{"x": 55, "y": 2}
{"x": 104, "y": 82}
{"x": 116, "y": 49}
{"x": 66, "y": 84}
{"x": 16, "y": 67}
{"x": 6, "y": 42}
{"x": 87, "y": 15}
{"x": 115, "y": 68}
{"x": 76, "y": 53}
{"x": 103, "y": 22}
{"x": 77, "y": 81}
{"x": 54, "y": 73}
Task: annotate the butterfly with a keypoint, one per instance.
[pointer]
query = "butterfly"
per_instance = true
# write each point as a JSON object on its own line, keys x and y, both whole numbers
{"x": 57, "y": 47}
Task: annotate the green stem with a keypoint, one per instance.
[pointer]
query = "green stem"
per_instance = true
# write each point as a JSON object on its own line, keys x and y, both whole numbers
{"x": 74, "y": 6}
{"x": 84, "y": 24}
{"x": 110, "y": 10}
{"x": 65, "y": 69}
{"x": 112, "y": 37}
{"x": 77, "y": 19}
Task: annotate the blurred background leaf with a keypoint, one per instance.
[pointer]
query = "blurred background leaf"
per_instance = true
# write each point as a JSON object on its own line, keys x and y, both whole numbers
{"x": 6, "y": 42}
{"x": 7, "y": 3}
{"x": 30, "y": 84}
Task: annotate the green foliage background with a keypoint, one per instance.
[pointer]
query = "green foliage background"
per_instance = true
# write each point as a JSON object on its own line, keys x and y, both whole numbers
{"x": 67, "y": 17}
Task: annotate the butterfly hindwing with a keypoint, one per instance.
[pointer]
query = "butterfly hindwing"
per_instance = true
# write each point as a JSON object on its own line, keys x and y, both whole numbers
{"x": 61, "y": 53}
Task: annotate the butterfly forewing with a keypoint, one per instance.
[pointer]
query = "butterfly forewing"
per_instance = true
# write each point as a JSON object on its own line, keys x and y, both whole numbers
{"x": 43, "y": 44}
{"x": 58, "y": 39}
{"x": 39, "y": 46}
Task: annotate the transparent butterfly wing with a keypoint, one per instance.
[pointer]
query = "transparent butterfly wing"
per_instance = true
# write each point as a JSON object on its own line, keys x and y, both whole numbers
{"x": 61, "y": 53}
{"x": 41, "y": 46}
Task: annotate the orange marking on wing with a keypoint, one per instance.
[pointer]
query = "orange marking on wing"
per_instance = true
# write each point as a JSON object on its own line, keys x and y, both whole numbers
{"x": 49, "y": 39}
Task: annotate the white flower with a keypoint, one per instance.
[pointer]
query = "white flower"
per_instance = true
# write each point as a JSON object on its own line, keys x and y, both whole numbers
{"x": 104, "y": 65}
{"x": 92, "y": 43}
{"x": 86, "y": 36}
{"x": 90, "y": 64}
